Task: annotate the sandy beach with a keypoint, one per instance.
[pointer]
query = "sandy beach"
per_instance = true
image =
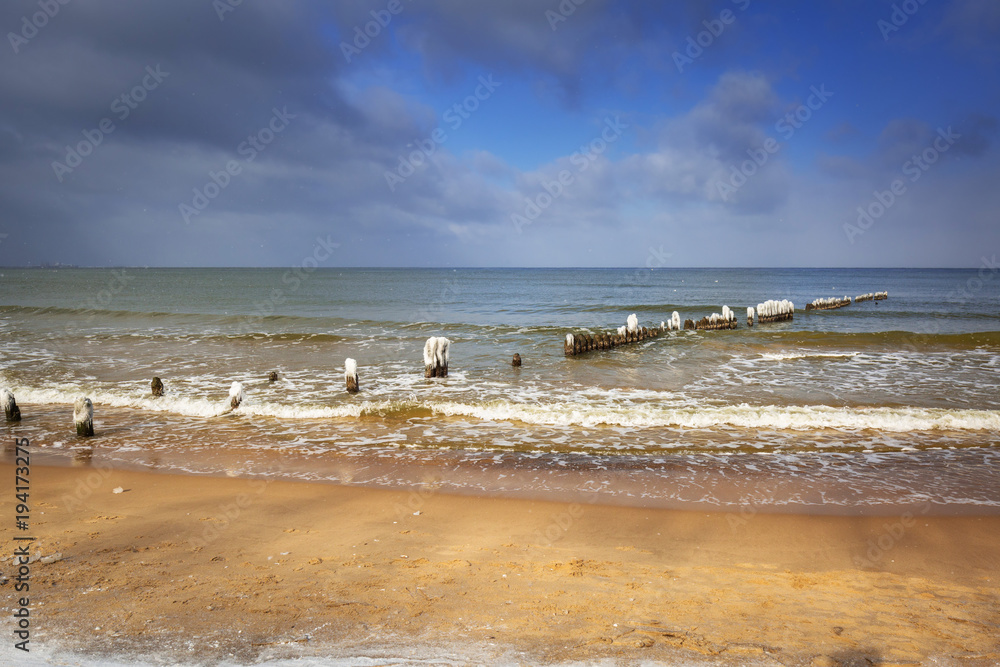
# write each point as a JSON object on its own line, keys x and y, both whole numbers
{"x": 213, "y": 569}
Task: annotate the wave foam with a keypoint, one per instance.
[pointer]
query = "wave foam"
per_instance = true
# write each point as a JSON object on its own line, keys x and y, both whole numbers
{"x": 799, "y": 418}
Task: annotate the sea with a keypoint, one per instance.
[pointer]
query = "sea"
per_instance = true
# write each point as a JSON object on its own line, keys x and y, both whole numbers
{"x": 866, "y": 409}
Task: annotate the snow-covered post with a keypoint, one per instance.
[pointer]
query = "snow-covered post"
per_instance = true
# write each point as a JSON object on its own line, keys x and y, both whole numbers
{"x": 236, "y": 395}
{"x": 83, "y": 416}
{"x": 351, "y": 375}
{"x": 10, "y": 409}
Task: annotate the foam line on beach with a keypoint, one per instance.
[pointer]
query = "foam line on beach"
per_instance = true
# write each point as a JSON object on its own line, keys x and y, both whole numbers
{"x": 559, "y": 413}
{"x": 788, "y": 356}
{"x": 803, "y": 418}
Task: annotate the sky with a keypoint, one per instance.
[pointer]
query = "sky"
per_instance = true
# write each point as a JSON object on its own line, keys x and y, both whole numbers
{"x": 452, "y": 133}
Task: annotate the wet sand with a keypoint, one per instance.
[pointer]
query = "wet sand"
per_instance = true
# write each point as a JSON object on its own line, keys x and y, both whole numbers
{"x": 206, "y": 568}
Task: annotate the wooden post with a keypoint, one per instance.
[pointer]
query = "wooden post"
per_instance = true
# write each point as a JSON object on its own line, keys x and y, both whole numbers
{"x": 516, "y": 361}
{"x": 436, "y": 356}
{"x": 10, "y": 409}
{"x": 83, "y": 416}
{"x": 156, "y": 386}
{"x": 235, "y": 395}
{"x": 351, "y": 375}
{"x": 272, "y": 376}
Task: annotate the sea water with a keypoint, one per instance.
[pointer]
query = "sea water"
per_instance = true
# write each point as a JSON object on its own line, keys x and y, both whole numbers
{"x": 876, "y": 405}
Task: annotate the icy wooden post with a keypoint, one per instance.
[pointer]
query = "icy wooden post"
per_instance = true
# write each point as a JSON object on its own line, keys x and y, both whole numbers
{"x": 829, "y": 304}
{"x": 750, "y": 316}
{"x": 774, "y": 311}
{"x": 235, "y": 395}
{"x": 517, "y": 360}
{"x": 436, "y": 356}
{"x": 156, "y": 386}
{"x": 10, "y": 409}
{"x": 272, "y": 376}
{"x": 351, "y": 375}
{"x": 83, "y": 416}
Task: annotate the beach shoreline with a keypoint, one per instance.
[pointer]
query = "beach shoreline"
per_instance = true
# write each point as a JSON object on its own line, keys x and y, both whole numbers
{"x": 215, "y": 569}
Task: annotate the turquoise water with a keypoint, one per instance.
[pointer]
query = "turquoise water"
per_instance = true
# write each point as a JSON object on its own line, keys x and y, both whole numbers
{"x": 835, "y": 397}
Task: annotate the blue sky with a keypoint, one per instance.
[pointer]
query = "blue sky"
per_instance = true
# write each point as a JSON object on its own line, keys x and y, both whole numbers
{"x": 604, "y": 139}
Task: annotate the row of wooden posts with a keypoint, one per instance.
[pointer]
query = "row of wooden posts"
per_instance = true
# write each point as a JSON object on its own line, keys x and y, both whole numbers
{"x": 833, "y": 303}
{"x": 437, "y": 351}
{"x": 872, "y": 296}
{"x": 436, "y": 357}
{"x": 765, "y": 313}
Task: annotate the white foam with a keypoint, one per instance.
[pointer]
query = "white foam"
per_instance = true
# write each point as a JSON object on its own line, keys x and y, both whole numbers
{"x": 785, "y": 356}
{"x": 800, "y": 418}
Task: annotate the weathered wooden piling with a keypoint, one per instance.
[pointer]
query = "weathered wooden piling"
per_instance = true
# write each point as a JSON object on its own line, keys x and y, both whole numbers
{"x": 715, "y": 321}
{"x": 83, "y": 416}
{"x": 351, "y": 375}
{"x": 10, "y": 409}
{"x": 675, "y": 322}
{"x": 516, "y": 361}
{"x": 829, "y": 304}
{"x": 156, "y": 387}
{"x": 750, "y": 313}
{"x": 631, "y": 332}
{"x": 689, "y": 325}
{"x": 872, "y": 296}
{"x": 775, "y": 311}
{"x": 272, "y": 376}
{"x": 436, "y": 356}
{"x": 236, "y": 395}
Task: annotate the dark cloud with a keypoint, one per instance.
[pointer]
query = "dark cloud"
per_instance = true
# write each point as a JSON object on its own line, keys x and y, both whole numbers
{"x": 350, "y": 120}
{"x": 973, "y": 24}
{"x": 978, "y": 131}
